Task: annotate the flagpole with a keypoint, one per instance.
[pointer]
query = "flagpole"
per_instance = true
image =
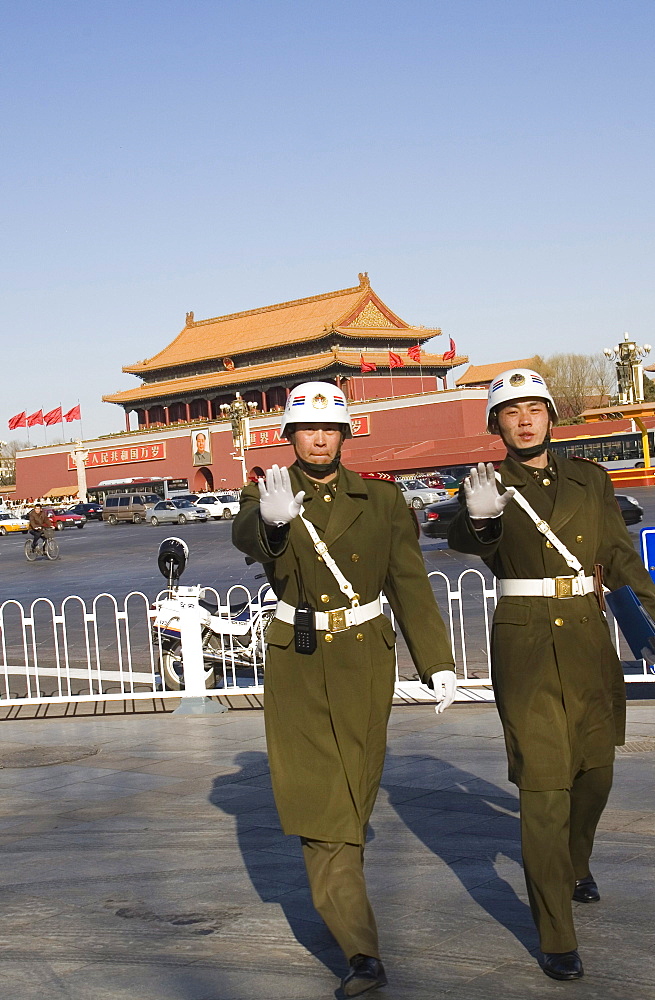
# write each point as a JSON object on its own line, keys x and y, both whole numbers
{"x": 81, "y": 428}
{"x": 390, "y": 368}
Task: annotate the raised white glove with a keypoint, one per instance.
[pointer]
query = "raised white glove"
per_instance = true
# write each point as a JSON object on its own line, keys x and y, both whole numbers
{"x": 481, "y": 491}
{"x": 444, "y": 684}
{"x": 277, "y": 504}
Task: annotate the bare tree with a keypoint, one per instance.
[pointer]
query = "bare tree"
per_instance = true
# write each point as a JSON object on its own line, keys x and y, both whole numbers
{"x": 577, "y": 382}
{"x": 8, "y": 460}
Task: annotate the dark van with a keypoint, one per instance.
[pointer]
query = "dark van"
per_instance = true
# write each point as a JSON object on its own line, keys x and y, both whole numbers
{"x": 128, "y": 507}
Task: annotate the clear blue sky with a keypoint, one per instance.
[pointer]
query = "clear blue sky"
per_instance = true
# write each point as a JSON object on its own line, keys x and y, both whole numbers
{"x": 490, "y": 163}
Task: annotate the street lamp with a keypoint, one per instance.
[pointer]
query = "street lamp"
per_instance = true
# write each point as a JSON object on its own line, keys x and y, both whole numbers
{"x": 629, "y": 369}
{"x": 238, "y": 411}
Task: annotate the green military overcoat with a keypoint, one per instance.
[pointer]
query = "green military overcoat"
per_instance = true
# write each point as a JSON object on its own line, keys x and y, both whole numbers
{"x": 326, "y": 714}
{"x": 557, "y": 680}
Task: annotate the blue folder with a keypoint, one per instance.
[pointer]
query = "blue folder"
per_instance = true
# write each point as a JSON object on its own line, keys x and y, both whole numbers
{"x": 634, "y": 621}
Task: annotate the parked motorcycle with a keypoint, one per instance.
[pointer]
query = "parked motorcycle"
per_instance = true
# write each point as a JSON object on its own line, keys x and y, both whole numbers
{"x": 232, "y": 633}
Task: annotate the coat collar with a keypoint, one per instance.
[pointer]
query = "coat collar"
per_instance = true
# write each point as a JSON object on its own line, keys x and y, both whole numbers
{"x": 351, "y": 489}
{"x": 571, "y": 486}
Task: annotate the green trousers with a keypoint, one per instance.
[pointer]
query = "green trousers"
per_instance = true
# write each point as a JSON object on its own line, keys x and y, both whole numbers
{"x": 336, "y": 879}
{"x": 557, "y": 838}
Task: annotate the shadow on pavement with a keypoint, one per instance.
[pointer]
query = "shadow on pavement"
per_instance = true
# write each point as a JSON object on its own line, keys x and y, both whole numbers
{"x": 470, "y": 852}
{"x": 266, "y": 870}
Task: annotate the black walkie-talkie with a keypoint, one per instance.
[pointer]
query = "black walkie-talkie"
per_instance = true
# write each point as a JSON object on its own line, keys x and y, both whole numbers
{"x": 304, "y": 629}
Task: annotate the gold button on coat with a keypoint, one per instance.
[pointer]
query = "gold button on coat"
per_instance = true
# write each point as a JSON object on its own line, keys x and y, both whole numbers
{"x": 546, "y": 482}
{"x": 549, "y": 545}
{"x": 578, "y": 538}
{"x": 559, "y": 621}
{"x": 327, "y": 498}
{"x": 360, "y": 637}
{"x": 354, "y": 557}
{"x": 328, "y": 637}
{"x": 325, "y": 598}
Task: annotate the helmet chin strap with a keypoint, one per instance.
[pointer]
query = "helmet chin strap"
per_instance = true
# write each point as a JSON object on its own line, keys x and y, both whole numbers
{"x": 524, "y": 454}
{"x": 319, "y": 471}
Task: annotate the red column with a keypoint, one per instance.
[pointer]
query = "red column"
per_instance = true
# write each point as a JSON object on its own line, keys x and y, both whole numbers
{"x": 146, "y": 414}
{"x": 264, "y": 402}
{"x": 166, "y": 418}
{"x": 127, "y": 420}
{"x": 188, "y": 413}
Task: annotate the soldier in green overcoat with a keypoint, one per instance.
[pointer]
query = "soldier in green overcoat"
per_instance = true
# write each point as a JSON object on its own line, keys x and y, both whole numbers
{"x": 330, "y": 666}
{"x": 557, "y": 679}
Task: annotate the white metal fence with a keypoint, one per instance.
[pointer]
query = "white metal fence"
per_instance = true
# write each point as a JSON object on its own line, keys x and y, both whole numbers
{"x": 105, "y": 650}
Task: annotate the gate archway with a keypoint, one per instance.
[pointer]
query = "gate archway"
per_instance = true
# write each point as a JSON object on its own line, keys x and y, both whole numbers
{"x": 203, "y": 479}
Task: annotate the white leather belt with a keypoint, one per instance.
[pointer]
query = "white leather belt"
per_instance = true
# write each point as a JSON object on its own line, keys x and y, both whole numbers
{"x": 549, "y": 586}
{"x": 333, "y": 621}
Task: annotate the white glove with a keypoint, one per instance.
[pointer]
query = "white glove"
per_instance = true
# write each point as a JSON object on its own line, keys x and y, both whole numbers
{"x": 481, "y": 491}
{"x": 277, "y": 504}
{"x": 444, "y": 684}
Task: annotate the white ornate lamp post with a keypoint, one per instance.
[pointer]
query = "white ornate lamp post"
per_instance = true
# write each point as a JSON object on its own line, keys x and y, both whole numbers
{"x": 630, "y": 379}
{"x": 629, "y": 369}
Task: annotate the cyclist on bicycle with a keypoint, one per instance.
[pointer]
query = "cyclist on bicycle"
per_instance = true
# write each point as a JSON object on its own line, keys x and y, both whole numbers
{"x": 41, "y": 527}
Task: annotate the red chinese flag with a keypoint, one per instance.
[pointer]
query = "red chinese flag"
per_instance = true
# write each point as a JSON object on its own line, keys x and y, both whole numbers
{"x": 414, "y": 353}
{"x": 73, "y": 414}
{"x": 35, "y": 418}
{"x": 20, "y": 420}
{"x": 53, "y": 416}
{"x": 450, "y": 353}
{"x": 366, "y": 366}
{"x": 395, "y": 360}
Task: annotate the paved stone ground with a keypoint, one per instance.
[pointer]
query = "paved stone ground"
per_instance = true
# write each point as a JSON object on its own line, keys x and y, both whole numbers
{"x": 155, "y": 868}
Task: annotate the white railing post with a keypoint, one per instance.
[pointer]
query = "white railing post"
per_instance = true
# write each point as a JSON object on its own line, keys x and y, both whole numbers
{"x": 194, "y": 700}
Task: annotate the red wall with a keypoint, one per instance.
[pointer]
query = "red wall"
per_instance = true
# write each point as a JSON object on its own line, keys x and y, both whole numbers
{"x": 443, "y": 426}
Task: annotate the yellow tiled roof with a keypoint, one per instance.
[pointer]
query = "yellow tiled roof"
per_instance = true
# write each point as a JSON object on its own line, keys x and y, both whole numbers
{"x": 479, "y": 374}
{"x": 215, "y": 381}
{"x": 280, "y": 325}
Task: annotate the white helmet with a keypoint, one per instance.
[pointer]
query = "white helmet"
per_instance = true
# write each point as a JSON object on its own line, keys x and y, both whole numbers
{"x": 518, "y": 383}
{"x": 316, "y": 403}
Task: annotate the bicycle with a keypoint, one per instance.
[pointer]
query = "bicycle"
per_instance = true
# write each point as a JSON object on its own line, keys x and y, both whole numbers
{"x": 48, "y": 547}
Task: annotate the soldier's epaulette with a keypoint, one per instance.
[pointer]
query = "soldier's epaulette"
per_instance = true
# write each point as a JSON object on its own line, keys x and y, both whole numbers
{"x": 384, "y": 476}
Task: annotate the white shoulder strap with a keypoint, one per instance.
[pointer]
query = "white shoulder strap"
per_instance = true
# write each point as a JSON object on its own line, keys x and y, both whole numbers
{"x": 571, "y": 561}
{"x": 344, "y": 585}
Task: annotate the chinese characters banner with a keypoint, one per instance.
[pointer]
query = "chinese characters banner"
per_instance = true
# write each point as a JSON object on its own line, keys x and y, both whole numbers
{"x": 261, "y": 438}
{"x": 121, "y": 456}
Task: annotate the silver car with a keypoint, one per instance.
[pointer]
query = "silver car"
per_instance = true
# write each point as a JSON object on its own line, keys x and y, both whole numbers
{"x": 174, "y": 512}
{"x": 418, "y": 493}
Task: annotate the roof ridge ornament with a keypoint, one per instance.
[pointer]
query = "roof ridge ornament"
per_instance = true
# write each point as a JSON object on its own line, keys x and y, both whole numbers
{"x": 189, "y": 319}
{"x": 364, "y": 281}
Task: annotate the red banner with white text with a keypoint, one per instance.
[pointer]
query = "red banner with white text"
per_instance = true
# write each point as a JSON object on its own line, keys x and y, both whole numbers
{"x": 151, "y": 452}
{"x": 263, "y": 438}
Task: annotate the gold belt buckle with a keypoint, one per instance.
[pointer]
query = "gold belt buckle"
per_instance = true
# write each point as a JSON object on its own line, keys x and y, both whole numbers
{"x": 337, "y": 620}
{"x": 563, "y": 586}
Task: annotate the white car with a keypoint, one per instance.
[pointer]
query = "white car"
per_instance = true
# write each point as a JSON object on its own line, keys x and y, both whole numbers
{"x": 417, "y": 493}
{"x": 222, "y": 506}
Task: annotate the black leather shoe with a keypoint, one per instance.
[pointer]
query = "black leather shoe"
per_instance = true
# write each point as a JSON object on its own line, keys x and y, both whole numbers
{"x": 563, "y": 965}
{"x": 365, "y": 973}
{"x": 586, "y": 890}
